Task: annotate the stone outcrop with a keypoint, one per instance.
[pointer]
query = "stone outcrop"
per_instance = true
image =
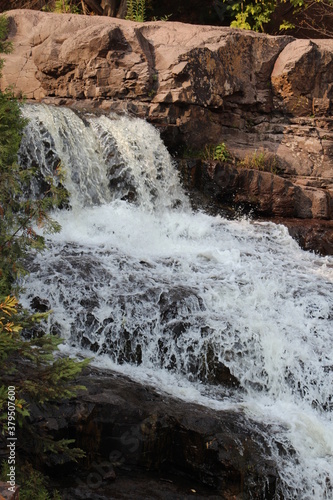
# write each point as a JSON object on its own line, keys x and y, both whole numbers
{"x": 200, "y": 85}
{"x": 302, "y": 78}
{"x": 80, "y": 57}
{"x": 269, "y": 194}
{"x": 230, "y": 190}
{"x": 130, "y": 432}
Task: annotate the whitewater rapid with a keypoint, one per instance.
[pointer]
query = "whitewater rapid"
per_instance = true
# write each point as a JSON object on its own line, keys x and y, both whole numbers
{"x": 165, "y": 294}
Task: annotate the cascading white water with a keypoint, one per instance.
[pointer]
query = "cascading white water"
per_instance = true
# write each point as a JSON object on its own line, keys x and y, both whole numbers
{"x": 134, "y": 166}
{"x": 169, "y": 296}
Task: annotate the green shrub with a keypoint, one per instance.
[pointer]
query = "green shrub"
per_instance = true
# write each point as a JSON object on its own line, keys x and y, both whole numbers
{"x": 251, "y": 15}
{"x": 312, "y": 15}
{"x": 136, "y": 10}
{"x": 66, "y": 7}
{"x": 262, "y": 160}
{"x": 217, "y": 153}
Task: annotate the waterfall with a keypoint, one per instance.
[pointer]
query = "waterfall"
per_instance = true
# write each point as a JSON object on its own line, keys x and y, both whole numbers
{"x": 182, "y": 300}
{"x": 135, "y": 166}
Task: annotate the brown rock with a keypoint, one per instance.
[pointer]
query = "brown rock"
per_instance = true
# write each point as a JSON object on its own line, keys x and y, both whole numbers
{"x": 313, "y": 235}
{"x": 269, "y": 194}
{"x": 6, "y": 494}
{"x": 222, "y": 189}
{"x": 302, "y": 77}
{"x": 69, "y": 54}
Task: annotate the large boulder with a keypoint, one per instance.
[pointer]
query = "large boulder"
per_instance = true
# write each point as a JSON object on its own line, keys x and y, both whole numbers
{"x": 130, "y": 431}
{"x": 302, "y": 78}
{"x": 71, "y": 56}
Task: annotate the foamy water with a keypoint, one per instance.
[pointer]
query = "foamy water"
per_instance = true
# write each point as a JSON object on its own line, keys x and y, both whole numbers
{"x": 165, "y": 295}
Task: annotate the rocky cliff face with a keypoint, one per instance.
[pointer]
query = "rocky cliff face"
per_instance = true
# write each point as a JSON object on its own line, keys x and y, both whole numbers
{"x": 199, "y": 84}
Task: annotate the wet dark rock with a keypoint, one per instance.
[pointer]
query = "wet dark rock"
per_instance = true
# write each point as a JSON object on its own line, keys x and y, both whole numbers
{"x": 122, "y": 334}
{"x": 40, "y": 305}
{"x": 265, "y": 193}
{"x": 313, "y": 235}
{"x": 133, "y": 434}
{"x": 229, "y": 190}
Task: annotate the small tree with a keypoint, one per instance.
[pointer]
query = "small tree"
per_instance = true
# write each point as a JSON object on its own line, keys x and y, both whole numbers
{"x": 29, "y": 365}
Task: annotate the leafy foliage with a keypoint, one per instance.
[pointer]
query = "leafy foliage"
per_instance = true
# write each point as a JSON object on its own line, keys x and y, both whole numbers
{"x": 11, "y": 126}
{"x": 18, "y": 214}
{"x": 262, "y": 160}
{"x": 66, "y": 7}
{"x": 251, "y": 15}
{"x": 54, "y": 377}
{"x": 217, "y": 153}
{"x": 136, "y": 10}
{"x": 34, "y": 484}
{"x": 5, "y": 45}
{"x": 315, "y": 15}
